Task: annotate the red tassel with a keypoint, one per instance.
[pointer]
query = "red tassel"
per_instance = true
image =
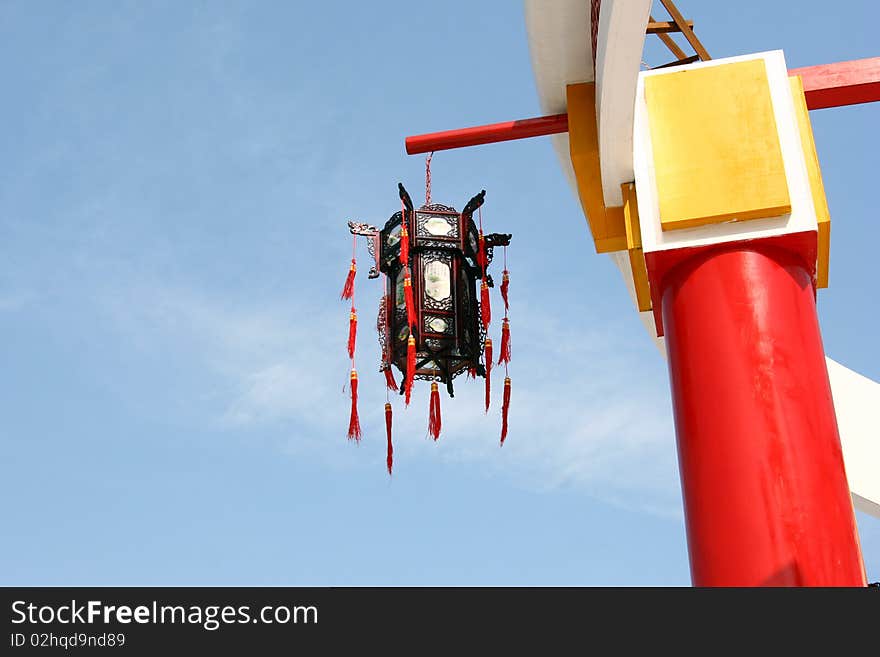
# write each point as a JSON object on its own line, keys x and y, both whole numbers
{"x": 410, "y": 366}
{"x": 504, "y": 356}
{"x": 389, "y": 459}
{"x": 404, "y": 242}
{"x": 408, "y": 298}
{"x": 434, "y": 421}
{"x": 505, "y": 406}
{"x": 389, "y": 378}
{"x": 485, "y": 308}
{"x": 352, "y": 331}
{"x": 488, "y": 371}
{"x": 482, "y": 262}
{"x": 348, "y": 288}
{"x": 472, "y": 372}
{"x": 354, "y": 423}
{"x": 505, "y": 284}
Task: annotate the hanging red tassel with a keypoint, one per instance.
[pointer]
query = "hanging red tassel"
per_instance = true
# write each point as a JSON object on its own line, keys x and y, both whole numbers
{"x": 488, "y": 370}
{"x": 472, "y": 372}
{"x": 352, "y": 331}
{"x": 505, "y": 406}
{"x": 404, "y": 242}
{"x": 408, "y": 299}
{"x": 389, "y": 459}
{"x": 504, "y": 356}
{"x": 354, "y": 423}
{"x": 434, "y": 421}
{"x": 390, "y": 383}
{"x": 348, "y": 288}
{"x": 410, "y": 366}
{"x": 505, "y": 284}
{"x": 482, "y": 262}
{"x": 485, "y": 308}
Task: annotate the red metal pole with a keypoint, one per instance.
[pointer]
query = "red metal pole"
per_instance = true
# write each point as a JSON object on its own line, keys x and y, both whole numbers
{"x": 765, "y": 491}
{"x": 487, "y": 134}
{"x": 842, "y": 83}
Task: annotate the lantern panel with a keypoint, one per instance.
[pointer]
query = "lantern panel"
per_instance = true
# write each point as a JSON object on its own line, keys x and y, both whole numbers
{"x": 438, "y": 324}
{"x": 402, "y": 331}
{"x": 398, "y": 293}
{"x": 438, "y": 280}
{"x": 470, "y": 332}
{"x": 437, "y": 225}
{"x": 393, "y": 237}
{"x": 471, "y": 245}
{"x": 435, "y": 280}
{"x": 389, "y": 242}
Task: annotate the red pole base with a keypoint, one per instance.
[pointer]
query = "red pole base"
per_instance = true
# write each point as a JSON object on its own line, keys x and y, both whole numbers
{"x": 765, "y": 492}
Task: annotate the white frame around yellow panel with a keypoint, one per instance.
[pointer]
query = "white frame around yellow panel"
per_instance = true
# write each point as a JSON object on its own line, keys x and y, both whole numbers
{"x": 802, "y": 216}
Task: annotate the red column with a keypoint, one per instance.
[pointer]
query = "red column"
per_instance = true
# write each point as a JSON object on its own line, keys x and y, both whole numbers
{"x": 765, "y": 491}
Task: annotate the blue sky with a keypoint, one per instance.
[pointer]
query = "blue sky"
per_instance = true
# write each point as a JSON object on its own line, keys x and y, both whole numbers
{"x": 174, "y": 184}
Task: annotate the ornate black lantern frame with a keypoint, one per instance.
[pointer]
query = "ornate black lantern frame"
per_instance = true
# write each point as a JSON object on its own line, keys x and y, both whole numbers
{"x": 448, "y": 332}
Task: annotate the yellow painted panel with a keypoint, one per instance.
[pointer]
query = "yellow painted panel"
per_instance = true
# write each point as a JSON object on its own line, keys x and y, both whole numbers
{"x": 824, "y": 254}
{"x": 634, "y": 246}
{"x": 611, "y": 244}
{"x": 817, "y": 187}
{"x": 613, "y": 233}
{"x": 606, "y": 224}
{"x": 717, "y": 155}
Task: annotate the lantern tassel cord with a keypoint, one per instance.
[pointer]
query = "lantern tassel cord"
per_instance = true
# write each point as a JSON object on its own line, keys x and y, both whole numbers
{"x": 434, "y": 420}
{"x": 488, "y": 348}
{"x": 408, "y": 299}
{"x": 483, "y": 262}
{"x": 485, "y": 307}
{"x": 505, "y": 285}
{"x": 504, "y": 356}
{"x": 354, "y": 424}
{"x": 352, "y": 331}
{"x": 390, "y": 383}
{"x": 348, "y": 288}
{"x": 404, "y": 237}
{"x": 505, "y": 407}
{"x": 410, "y": 367}
{"x": 389, "y": 457}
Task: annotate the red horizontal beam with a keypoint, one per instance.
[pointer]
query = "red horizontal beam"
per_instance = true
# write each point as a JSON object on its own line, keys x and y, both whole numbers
{"x": 843, "y": 83}
{"x": 826, "y": 85}
{"x": 487, "y": 134}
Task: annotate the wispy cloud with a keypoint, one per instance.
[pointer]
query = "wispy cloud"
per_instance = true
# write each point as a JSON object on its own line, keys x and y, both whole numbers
{"x": 581, "y": 413}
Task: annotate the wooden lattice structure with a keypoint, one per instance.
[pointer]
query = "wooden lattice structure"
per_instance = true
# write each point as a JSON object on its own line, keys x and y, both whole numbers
{"x": 663, "y": 29}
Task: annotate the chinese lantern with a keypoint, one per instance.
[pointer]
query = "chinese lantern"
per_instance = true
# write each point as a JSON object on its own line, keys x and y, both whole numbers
{"x": 434, "y": 260}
